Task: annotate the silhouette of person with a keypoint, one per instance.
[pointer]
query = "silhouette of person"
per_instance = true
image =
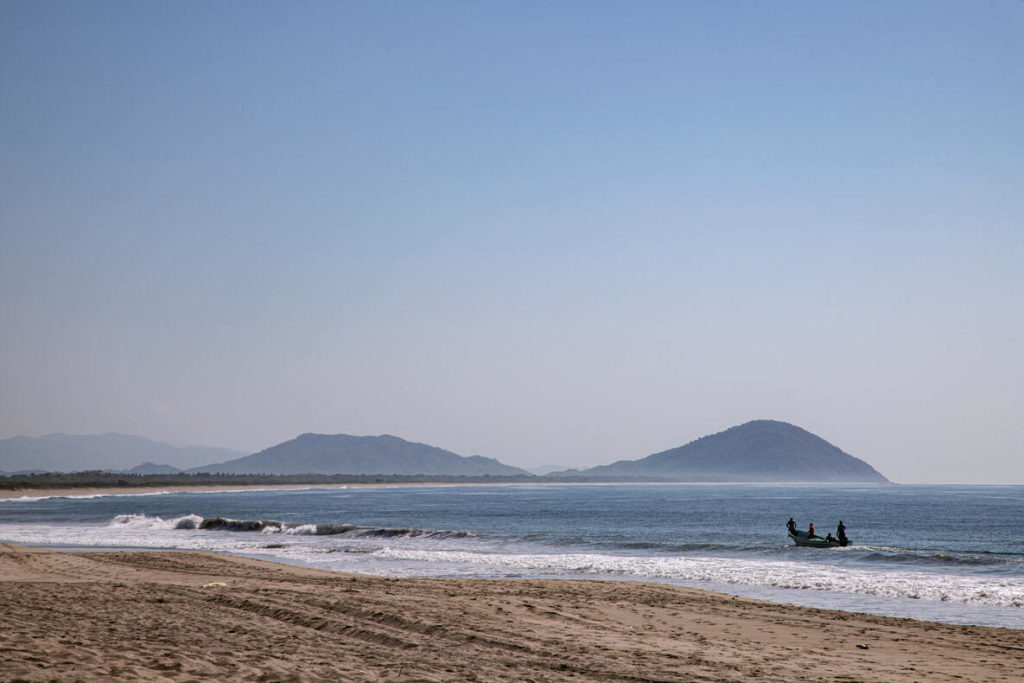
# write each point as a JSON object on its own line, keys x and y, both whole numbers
{"x": 791, "y": 525}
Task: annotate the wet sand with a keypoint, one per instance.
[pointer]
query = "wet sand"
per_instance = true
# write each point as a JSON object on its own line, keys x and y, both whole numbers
{"x": 193, "y": 616}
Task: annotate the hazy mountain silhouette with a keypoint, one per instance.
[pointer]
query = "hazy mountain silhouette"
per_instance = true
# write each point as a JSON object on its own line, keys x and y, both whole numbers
{"x": 345, "y": 454}
{"x": 761, "y": 450}
{"x": 153, "y": 468}
{"x": 80, "y": 452}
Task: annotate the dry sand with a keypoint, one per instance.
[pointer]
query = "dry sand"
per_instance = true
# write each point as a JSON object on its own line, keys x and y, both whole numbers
{"x": 192, "y": 616}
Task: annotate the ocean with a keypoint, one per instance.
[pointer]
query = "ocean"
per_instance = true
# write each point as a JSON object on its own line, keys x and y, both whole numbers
{"x": 943, "y": 553}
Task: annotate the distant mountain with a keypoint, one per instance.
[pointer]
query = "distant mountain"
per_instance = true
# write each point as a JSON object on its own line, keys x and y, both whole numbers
{"x": 757, "y": 451}
{"x": 76, "y": 453}
{"x": 345, "y": 454}
{"x": 547, "y": 469}
{"x": 153, "y": 468}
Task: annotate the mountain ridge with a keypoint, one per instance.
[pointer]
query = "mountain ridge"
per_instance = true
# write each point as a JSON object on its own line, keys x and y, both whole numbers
{"x": 311, "y": 453}
{"x": 60, "y": 452}
{"x": 755, "y": 451}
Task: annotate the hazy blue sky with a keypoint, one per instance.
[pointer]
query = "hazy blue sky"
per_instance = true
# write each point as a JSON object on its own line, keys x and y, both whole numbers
{"x": 551, "y": 233}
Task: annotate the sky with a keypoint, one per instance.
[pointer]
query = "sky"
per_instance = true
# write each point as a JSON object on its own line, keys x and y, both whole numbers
{"x": 549, "y": 233}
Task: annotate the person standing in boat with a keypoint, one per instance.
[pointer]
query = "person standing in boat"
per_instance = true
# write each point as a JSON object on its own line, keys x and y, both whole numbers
{"x": 791, "y": 526}
{"x": 841, "y": 533}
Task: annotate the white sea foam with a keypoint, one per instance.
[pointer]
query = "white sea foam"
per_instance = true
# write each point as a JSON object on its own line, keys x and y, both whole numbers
{"x": 427, "y": 556}
{"x": 731, "y": 571}
{"x": 146, "y": 522}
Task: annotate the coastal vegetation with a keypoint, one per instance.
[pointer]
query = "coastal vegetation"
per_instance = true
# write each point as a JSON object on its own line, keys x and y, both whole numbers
{"x": 100, "y": 479}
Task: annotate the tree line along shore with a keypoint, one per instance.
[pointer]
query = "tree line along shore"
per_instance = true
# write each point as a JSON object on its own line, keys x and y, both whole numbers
{"x": 101, "y": 479}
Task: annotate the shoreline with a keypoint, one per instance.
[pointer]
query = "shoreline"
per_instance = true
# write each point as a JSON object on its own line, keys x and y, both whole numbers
{"x": 83, "y": 491}
{"x": 137, "y": 614}
{"x": 92, "y": 491}
{"x": 998, "y": 614}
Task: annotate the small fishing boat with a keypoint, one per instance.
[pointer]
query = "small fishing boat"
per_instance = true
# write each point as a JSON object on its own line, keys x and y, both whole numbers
{"x": 805, "y": 539}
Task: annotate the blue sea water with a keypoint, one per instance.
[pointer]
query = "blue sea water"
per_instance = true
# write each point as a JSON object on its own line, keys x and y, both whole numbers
{"x": 943, "y": 553}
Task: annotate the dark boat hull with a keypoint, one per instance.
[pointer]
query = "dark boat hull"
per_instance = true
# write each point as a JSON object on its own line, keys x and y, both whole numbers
{"x": 803, "y": 539}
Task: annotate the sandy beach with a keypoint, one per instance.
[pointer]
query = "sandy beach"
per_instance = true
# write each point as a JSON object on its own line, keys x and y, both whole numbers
{"x": 208, "y": 488}
{"x": 155, "y": 490}
{"x": 179, "y": 616}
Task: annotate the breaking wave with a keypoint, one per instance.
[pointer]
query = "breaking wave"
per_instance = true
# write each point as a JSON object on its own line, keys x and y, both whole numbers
{"x": 265, "y": 526}
{"x": 986, "y": 591}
